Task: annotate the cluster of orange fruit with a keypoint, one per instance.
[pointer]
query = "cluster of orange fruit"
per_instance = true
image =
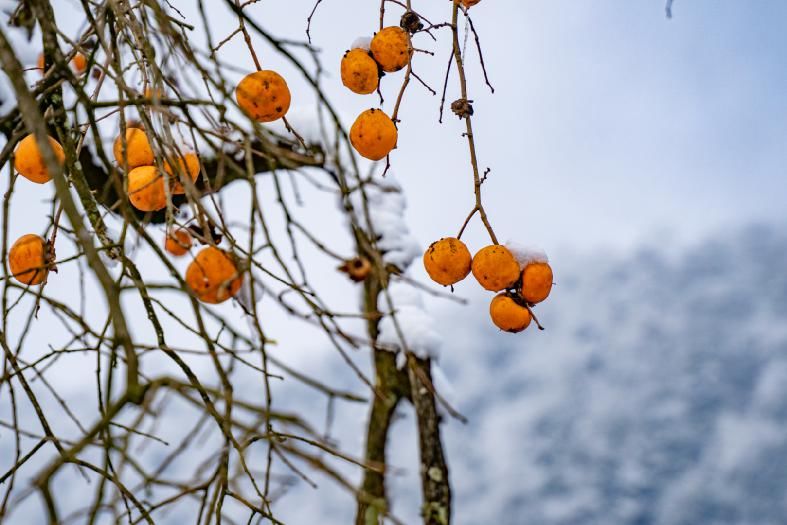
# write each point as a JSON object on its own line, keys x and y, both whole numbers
{"x": 213, "y": 275}
{"x": 448, "y": 261}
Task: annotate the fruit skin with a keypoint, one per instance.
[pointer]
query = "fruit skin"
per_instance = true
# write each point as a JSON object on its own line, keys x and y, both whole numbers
{"x": 146, "y": 189}
{"x": 468, "y": 3}
{"x": 138, "y": 149}
{"x": 213, "y": 276}
{"x": 391, "y": 49}
{"x": 29, "y": 162}
{"x": 447, "y": 261}
{"x": 495, "y": 268}
{"x": 373, "y": 134}
{"x": 178, "y": 242}
{"x": 536, "y": 282}
{"x": 188, "y": 163}
{"x": 27, "y": 259}
{"x": 508, "y": 315}
{"x": 79, "y": 63}
{"x": 359, "y": 72}
{"x": 263, "y": 96}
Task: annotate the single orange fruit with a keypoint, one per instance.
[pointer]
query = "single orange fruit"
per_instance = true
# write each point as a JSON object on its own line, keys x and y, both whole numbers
{"x": 495, "y": 268}
{"x": 79, "y": 63}
{"x": 138, "y": 151}
{"x": 146, "y": 189}
{"x": 213, "y": 276}
{"x": 359, "y": 72}
{"x": 178, "y": 242}
{"x": 391, "y": 49}
{"x": 447, "y": 261}
{"x": 40, "y": 63}
{"x": 373, "y": 134}
{"x": 28, "y": 258}
{"x": 187, "y": 165}
{"x": 263, "y": 96}
{"x": 508, "y": 315}
{"x": 468, "y": 3}
{"x": 536, "y": 282}
{"x": 29, "y": 162}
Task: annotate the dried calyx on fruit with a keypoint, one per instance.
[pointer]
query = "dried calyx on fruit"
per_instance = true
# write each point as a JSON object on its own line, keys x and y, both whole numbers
{"x": 357, "y": 268}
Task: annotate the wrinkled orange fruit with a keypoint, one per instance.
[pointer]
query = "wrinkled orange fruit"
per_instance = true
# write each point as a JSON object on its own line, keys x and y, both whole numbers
{"x": 27, "y": 259}
{"x": 495, "y": 268}
{"x": 263, "y": 96}
{"x": 188, "y": 164}
{"x": 508, "y": 315}
{"x": 447, "y": 261}
{"x": 213, "y": 276}
{"x": 29, "y": 162}
{"x": 146, "y": 189}
{"x": 138, "y": 150}
{"x": 536, "y": 282}
{"x": 391, "y": 49}
{"x": 178, "y": 242}
{"x": 359, "y": 72}
{"x": 373, "y": 134}
{"x": 79, "y": 63}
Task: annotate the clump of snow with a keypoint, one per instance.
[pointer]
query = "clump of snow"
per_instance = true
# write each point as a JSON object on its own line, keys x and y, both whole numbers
{"x": 415, "y": 331}
{"x": 305, "y": 121}
{"x": 362, "y": 42}
{"x": 525, "y": 255}
{"x": 387, "y": 205}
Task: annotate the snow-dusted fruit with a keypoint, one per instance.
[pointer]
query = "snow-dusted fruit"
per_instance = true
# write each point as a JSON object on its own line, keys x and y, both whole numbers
{"x": 536, "y": 282}
{"x": 359, "y": 72}
{"x": 447, "y": 261}
{"x": 263, "y": 96}
{"x": 29, "y": 162}
{"x": 373, "y": 134}
{"x": 391, "y": 48}
{"x": 178, "y": 242}
{"x": 508, "y": 315}
{"x": 185, "y": 166}
{"x": 138, "y": 151}
{"x": 213, "y": 276}
{"x": 146, "y": 189}
{"x": 495, "y": 268}
{"x": 27, "y": 259}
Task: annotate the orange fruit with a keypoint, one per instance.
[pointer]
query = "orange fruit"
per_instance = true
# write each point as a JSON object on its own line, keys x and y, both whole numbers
{"x": 79, "y": 63}
{"x": 495, "y": 268}
{"x": 468, "y": 3}
{"x": 138, "y": 150}
{"x": 263, "y": 96}
{"x": 508, "y": 315}
{"x": 373, "y": 134}
{"x": 29, "y": 162}
{"x": 146, "y": 189}
{"x": 28, "y": 258}
{"x": 213, "y": 276}
{"x": 178, "y": 242}
{"x": 188, "y": 164}
{"x": 40, "y": 63}
{"x": 391, "y": 49}
{"x": 447, "y": 261}
{"x": 359, "y": 72}
{"x": 536, "y": 282}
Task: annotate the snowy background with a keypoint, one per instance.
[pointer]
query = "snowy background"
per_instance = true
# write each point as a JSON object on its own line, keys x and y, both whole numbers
{"x": 649, "y": 158}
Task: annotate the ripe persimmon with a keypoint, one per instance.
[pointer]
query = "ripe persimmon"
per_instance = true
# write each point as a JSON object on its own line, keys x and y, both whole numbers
{"x": 391, "y": 49}
{"x": 28, "y": 258}
{"x": 187, "y": 165}
{"x": 536, "y": 282}
{"x": 178, "y": 242}
{"x": 263, "y": 96}
{"x": 373, "y": 134}
{"x": 138, "y": 150}
{"x": 79, "y": 63}
{"x": 509, "y": 315}
{"x": 359, "y": 72}
{"x": 146, "y": 189}
{"x": 29, "y": 162}
{"x": 495, "y": 268}
{"x": 213, "y": 276}
{"x": 447, "y": 261}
